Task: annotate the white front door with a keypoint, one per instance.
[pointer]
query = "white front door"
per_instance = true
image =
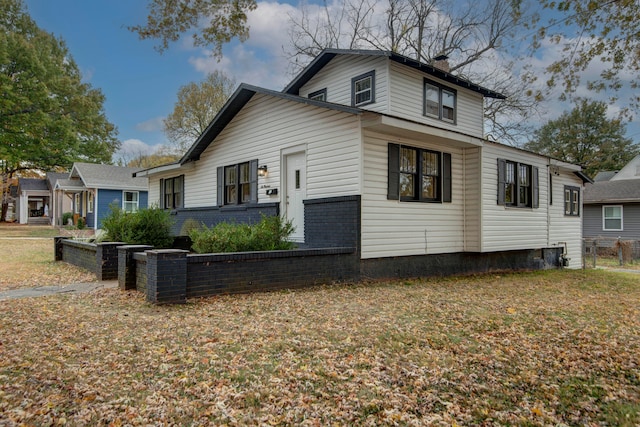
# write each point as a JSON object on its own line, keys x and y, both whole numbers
{"x": 296, "y": 192}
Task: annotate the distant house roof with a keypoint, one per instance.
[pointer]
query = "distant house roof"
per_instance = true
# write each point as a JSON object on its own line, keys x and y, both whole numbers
{"x": 32, "y": 184}
{"x": 71, "y": 185}
{"x": 604, "y": 176}
{"x": 327, "y": 55}
{"x": 53, "y": 177}
{"x": 108, "y": 177}
{"x": 627, "y": 190}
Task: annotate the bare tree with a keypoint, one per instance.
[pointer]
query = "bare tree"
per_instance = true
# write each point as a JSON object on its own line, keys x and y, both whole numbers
{"x": 470, "y": 37}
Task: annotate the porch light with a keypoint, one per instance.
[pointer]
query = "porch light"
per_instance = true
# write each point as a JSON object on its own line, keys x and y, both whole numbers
{"x": 262, "y": 170}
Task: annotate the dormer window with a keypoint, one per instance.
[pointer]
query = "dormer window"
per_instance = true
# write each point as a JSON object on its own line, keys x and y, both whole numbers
{"x": 319, "y": 95}
{"x": 439, "y": 102}
{"x": 363, "y": 89}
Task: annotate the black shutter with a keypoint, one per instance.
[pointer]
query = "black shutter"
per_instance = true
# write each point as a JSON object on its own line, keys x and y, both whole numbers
{"x": 161, "y": 201}
{"x": 253, "y": 180}
{"x": 181, "y": 191}
{"x": 446, "y": 177}
{"x": 220, "y": 187}
{"x": 393, "y": 173}
{"x": 502, "y": 166}
{"x": 535, "y": 191}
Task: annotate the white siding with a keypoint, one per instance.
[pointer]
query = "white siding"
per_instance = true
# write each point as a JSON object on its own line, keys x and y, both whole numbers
{"x": 566, "y": 228}
{"x": 510, "y": 228}
{"x": 507, "y": 228}
{"x": 336, "y": 78}
{"x": 265, "y": 127}
{"x": 472, "y": 196}
{"x": 393, "y": 228}
{"x": 407, "y": 100}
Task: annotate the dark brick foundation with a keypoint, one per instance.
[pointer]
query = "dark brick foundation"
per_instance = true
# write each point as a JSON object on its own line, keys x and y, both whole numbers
{"x": 332, "y": 222}
{"x": 99, "y": 258}
{"x": 210, "y": 216}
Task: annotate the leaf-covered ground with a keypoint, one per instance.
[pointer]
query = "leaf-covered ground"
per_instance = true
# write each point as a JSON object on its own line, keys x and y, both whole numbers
{"x": 29, "y": 263}
{"x": 546, "y": 348}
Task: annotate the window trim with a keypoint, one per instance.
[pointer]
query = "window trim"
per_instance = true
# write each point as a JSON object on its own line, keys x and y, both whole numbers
{"x": 443, "y": 186}
{"x": 372, "y": 75}
{"x": 124, "y": 200}
{"x": 252, "y": 184}
{"x": 164, "y": 194}
{"x": 572, "y": 205}
{"x": 77, "y": 208}
{"x": 322, "y": 93}
{"x": 604, "y": 218}
{"x": 534, "y": 190}
{"x": 90, "y": 201}
{"x": 441, "y": 88}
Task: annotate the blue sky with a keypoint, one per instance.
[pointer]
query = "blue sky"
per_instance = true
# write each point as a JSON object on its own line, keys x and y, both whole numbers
{"x": 141, "y": 84}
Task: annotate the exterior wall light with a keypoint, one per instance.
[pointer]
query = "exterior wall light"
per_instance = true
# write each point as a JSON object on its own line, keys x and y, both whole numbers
{"x": 262, "y": 170}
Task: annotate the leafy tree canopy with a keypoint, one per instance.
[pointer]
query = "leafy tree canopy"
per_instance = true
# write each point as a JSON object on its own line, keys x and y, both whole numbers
{"x": 197, "y": 105}
{"x": 211, "y": 22}
{"x": 49, "y": 118}
{"x": 594, "y": 33}
{"x": 585, "y": 136}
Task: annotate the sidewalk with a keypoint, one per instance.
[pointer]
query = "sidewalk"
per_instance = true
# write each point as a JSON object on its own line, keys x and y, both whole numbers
{"x": 74, "y": 288}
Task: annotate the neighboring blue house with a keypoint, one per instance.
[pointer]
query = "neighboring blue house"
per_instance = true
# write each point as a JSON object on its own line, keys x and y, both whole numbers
{"x": 93, "y": 188}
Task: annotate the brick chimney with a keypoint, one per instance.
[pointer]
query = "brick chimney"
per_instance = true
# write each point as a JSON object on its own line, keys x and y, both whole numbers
{"x": 441, "y": 62}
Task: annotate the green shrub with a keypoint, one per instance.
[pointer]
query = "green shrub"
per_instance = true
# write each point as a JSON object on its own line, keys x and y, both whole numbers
{"x": 150, "y": 226}
{"x": 80, "y": 224}
{"x": 271, "y": 233}
{"x": 189, "y": 225}
{"x": 66, "y": 217}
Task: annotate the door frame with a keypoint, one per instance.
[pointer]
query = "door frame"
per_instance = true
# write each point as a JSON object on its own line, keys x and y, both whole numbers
{"x": 284, "y": 154}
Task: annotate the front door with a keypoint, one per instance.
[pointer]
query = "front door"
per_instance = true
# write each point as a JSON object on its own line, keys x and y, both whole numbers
{"x": 296, "y": 191}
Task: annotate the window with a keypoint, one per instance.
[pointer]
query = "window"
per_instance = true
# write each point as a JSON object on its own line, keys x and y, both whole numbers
{"x": 238, "y": 184}
{"x": 319, "y": 95}
{"x": 417, "y": 174}
{"x": 130, "y": 201}
{"x": 571, "y": 201}
{"x": 76, "y": 203}
{"x": 612, "y": 218}
{"x": 363, "y": 89}
{"x": 517, "y": 184}
{"x": 90, "y": 202}
{"x": 439, "y": 102}
{"x": 172, "y": 190}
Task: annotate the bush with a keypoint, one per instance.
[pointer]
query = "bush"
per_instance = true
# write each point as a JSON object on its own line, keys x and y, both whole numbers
{"x": 150, "y": 226}
{"x": 66, "y": 217}
{"x": 80, "y": 224}
{"x": 271, "y": 233}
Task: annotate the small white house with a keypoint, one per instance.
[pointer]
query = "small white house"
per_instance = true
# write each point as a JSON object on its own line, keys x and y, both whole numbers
{"x": 378, "y": 151}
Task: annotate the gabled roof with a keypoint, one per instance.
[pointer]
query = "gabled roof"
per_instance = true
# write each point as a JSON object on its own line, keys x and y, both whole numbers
{"x": 625, "y": 190}
{"x": 70, "y": 185}
{"x": 108, "y": 177}
{"x": 604, "y": 176}
{"x": 234, "y": 104}
{"x": 328, "y": 54}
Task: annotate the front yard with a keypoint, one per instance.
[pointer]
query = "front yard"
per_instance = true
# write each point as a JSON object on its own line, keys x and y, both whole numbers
{"x": 544, "y": 348}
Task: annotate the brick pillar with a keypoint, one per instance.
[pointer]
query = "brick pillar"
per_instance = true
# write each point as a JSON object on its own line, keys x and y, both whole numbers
{"x": 107, "y": 260}
{"x": 127, "y": 265}
{"x": 167, "y": 276}
{"x": 57, "y": 247}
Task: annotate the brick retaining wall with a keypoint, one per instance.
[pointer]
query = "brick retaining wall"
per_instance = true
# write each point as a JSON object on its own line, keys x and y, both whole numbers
{"x": 99, "y": 258}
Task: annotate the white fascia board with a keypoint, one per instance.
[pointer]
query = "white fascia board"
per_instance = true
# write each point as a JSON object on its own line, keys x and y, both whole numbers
{"x": 164, "y": 168}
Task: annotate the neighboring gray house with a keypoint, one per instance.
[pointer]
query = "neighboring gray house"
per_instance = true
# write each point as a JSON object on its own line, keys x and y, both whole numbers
{"x": 612, "y": 204}
{"x": 32, "y": 201}
{"x": 93, "y": 187}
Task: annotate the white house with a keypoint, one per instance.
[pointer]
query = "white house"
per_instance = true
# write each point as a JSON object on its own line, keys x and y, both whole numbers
{"x": 378, "y": 151}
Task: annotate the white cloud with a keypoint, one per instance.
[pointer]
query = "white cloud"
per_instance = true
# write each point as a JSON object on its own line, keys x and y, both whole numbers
{"x": 152, "y": 125}
{"x": 132, "y": 148}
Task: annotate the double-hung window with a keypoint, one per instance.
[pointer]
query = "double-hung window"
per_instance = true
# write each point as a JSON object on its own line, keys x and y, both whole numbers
{"x": 319, "y": 95}
{"x": 238, "y": 184}
{"x": 77, "y": 198}
{"x": 571, "y": 201}
{"x": 130, "y": 201}
{"x": 90, "y": 202}
{"x": 172, "y": 190}
{"x": 612, "y": 218}
{"x": 517, "y": 184}
{"x": 439, "y": 102}
{"x": 417, "y": 174}
{"x": 363, "y": 89}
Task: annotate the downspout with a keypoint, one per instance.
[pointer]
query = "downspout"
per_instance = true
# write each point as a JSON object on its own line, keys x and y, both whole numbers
{"x": 464, "y": 199}
{"x": 549, "y": 191}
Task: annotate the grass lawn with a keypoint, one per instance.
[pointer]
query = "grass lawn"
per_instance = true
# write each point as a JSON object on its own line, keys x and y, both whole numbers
{"x": 544, "y": 348}
{"x": 27, "y": 259}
